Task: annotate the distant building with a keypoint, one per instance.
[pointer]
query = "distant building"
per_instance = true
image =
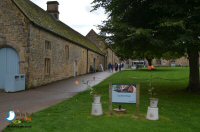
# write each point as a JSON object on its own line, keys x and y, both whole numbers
{"x": 110, "y": 55}
{"x": 36, "y": 43}
{"x": 183, "y": 61}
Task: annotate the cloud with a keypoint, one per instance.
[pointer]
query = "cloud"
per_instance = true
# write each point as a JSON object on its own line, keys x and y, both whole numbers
{"x": 77, "y": 15}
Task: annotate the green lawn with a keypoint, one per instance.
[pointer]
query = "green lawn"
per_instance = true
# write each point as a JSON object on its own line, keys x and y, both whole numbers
{"x": 179, "y": 111}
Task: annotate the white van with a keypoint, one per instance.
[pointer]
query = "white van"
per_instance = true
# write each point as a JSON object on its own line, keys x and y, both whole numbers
{"x": 138, "y": 64}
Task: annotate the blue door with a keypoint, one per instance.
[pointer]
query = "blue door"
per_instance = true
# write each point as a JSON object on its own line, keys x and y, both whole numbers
{"x": 9, "y": 64}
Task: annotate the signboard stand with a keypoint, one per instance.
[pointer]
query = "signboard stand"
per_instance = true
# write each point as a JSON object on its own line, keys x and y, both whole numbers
{"x": 120, "y": 110}
{"x": 110, "y": 98}
{"x": 137, "y": 101}
{"x": 120, "y": 107}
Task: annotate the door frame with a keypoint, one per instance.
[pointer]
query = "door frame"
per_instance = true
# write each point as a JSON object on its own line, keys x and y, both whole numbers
{"x": 75, "y": 68}
{"x": 94, "y": 64}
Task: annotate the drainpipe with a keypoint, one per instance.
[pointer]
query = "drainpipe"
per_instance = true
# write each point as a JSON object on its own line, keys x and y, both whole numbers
{"x": 105, "y": 62}
{"x": 28, "y": 58}
{"x": 87, "y": 62}
{"x": 112, "y": 58}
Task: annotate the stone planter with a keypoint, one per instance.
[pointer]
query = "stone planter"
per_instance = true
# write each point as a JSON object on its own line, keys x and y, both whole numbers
{"x": 97, "y": 99}
{"x": 97, "y": 106}
{"x": 152, "y": 112}
{"x": 153, "y": 102}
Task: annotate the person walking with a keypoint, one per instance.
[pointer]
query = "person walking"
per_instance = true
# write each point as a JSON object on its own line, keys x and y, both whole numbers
{"x": 110, "y": 67}
{"x": 120, "y": 67}
{"x": 116, "y": 67}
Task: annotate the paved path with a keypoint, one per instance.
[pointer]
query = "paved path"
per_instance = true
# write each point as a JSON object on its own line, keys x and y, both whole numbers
{"x": 45, "y": 96}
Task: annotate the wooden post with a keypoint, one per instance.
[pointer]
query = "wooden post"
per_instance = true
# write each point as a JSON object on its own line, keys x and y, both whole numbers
{"x": 110, "y": 98}
{"x": 137, "y": 99}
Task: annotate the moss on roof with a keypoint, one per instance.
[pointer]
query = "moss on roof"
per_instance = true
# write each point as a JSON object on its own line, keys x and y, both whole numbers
{"x": 92, "y": 32}
{"x": 43, "y": 19}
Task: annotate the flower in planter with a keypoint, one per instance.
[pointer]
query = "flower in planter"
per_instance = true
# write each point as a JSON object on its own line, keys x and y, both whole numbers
{"x": 92, "y": 91}
{"x": 153, "y": 99}
{"x": 88, "y": 83}
{"x": 152, "y": 92}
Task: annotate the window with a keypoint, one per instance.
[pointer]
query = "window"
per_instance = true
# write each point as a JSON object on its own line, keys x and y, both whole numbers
{"x": 47, "y": 66}
{"x": 67, "y": 52}
{"x": 47, "y": 45}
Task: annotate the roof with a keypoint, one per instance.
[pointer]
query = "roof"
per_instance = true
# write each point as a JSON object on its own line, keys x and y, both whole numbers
{"x": 92, "y": 32}
{"x": 43, "y": 19}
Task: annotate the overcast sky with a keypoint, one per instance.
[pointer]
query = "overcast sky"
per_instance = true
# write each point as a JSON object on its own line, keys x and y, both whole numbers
{"x": 76, "y": 14}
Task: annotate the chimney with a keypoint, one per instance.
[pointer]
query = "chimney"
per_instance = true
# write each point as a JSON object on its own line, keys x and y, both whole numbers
{"x": 52, "y": 8}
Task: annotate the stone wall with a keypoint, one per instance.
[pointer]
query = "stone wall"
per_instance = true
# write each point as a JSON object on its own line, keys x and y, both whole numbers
{"x": 95, "y": 58}
{"x": 183, "y": 61}
{"x": 61, "y": 66}
{"x": 116, "y": 58}
{"x": 28, "y": 40}
{"x": 95, "y": 38}
{"x": 14, "y": 28}
{"x": 111, "y": 57}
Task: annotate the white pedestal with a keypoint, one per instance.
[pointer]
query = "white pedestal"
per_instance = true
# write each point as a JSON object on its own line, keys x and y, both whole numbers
{"x": 152, "y": 113}
{"x": 97, "y": 109}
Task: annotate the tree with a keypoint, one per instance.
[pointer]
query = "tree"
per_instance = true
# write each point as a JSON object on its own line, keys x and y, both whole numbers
{"x": 180, "y": 24}
{"x": 171, "y": 55}
{"x": 130, "y": 37}
{"x": 155, "y": 26}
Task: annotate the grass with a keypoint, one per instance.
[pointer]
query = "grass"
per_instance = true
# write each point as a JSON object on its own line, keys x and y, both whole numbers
{"x": 179, "y": 111}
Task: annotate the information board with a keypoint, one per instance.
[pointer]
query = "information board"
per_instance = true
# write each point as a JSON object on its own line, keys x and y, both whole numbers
{"x": 123, "y": 93}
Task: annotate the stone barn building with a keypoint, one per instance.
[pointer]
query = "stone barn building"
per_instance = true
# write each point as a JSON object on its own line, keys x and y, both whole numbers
{"x": 35, "y": 43}
{"x": 110, "y": 55}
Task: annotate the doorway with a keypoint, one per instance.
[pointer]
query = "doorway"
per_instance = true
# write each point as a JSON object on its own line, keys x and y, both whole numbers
{"x": 94, "y": 64}
{"x": 75, "y": 68}
{"x": 9, "y": 64}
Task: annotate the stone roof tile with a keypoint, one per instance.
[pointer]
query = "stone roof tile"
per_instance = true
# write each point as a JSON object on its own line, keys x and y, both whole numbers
{"x": 44, "y": 20}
